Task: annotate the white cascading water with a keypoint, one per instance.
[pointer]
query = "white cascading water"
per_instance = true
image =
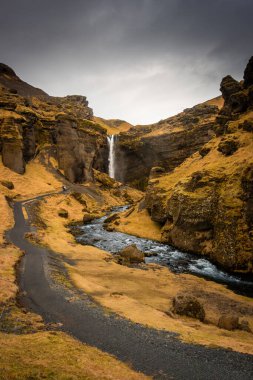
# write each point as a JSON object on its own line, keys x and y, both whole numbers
{"x": 111, "y": 159}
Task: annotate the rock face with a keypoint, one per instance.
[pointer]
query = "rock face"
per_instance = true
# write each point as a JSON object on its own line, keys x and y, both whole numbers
{"x": 205, "y": 205}
{"x": 12, "y": 145}
{"x": 165, "y": 144}
{"x": 32, "y": 122}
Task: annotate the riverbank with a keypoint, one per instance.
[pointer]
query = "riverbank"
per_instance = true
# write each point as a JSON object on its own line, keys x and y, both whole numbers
{"x": 144, "y": 295}
{"x": 29, "y": 348}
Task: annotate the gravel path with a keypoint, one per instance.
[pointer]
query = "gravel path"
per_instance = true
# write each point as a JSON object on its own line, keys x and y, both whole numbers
{"x": 150, "y": 351}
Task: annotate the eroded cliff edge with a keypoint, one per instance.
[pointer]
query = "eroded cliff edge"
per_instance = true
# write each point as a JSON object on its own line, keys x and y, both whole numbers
{"x": 32, "y": 122}
{"x": 205, "y": 205}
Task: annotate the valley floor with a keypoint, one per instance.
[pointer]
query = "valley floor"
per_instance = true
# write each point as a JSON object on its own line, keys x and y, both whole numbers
{"x": 142, "y": 296}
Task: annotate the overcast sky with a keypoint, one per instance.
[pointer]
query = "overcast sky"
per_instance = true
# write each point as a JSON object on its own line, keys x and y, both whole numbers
{"x": 139, "y": 60}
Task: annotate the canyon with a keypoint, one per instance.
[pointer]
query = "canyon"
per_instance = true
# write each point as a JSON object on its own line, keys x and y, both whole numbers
{"x": 187, "y": 164}
{"x": 184, "y": 185}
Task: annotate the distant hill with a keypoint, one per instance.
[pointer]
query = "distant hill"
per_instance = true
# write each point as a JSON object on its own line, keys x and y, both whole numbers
{"x": 113, "y": 126}
{"x": 11, "y": 81}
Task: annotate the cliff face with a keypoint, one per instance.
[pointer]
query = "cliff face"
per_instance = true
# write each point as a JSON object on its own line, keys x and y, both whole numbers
{"x": 165, "y": 144}
{"x": 32, "y": 122}
{"x": 206, "y": 204}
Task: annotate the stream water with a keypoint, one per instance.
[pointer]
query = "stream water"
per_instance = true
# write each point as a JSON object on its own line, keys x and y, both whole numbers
{"x": 179, "y": 262}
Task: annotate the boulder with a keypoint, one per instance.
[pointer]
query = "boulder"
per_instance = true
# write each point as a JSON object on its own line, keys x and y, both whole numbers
{"x": 244, "y": 326}
{"x": 87, "y": 218}
{"x": 184, "y": 304}
{"x": 204, "y": 151}
{"x": 156, "y": 172}
{"x": 8, "y": 184}
{"x": 228, "y": 322}
{"x": 246, "y": 126}
{"x": 63, "y": 213}
{"x": 132, "y": 255}
{"x": 228, "y": 146}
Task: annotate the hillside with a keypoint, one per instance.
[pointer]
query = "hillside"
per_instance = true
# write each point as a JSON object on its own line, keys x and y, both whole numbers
{"x": 204, "y": 205}
{"x": 113, "y": 126}
{"x": 165, "y": 144}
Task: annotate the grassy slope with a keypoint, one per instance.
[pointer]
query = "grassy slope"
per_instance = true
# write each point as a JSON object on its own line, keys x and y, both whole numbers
{"x": 113, "y": 126}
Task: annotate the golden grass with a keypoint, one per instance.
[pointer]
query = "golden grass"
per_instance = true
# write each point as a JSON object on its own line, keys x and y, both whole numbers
{"x": 110, "y": 125}
{"x": 138, "y": 223}
{"x": 215, "y": 162}
{"x": 144, "y": 296}
{"x": 218, "y": 101}
{"x": 36, "y": 180}
{"x": 51, "y": 355}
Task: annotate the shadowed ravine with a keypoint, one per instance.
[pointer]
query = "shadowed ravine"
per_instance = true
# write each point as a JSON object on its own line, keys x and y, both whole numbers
{"x": 151, "y": 351}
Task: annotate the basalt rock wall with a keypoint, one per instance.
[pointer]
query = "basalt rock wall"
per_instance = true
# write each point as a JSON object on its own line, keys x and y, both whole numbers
{"x": 165, "y": 144}
{"x": 205, "y": 205}
{"x": 31, "y": 122}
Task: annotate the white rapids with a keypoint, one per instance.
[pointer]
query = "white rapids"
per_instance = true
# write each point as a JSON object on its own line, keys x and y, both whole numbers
{"x": 111, "y": 143}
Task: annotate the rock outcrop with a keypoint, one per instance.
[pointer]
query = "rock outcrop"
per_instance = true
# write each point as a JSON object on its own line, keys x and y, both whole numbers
{"x": 11, "y": 81}
{"x": 165, "y": 144}
{"x": 32, "y": 122}
{"x": 205, "y": 205}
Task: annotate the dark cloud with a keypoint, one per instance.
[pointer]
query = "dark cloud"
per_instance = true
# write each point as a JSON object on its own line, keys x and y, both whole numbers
{"x": 141, "y": 60}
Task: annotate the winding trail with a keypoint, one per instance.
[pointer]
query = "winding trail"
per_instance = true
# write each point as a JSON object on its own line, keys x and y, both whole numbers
{"x": 150, "y": 351}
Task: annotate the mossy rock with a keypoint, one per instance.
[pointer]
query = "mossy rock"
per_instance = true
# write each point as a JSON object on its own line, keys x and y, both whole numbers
{"x": 247, "y": 126}
{"x": 228, "y": 322}
{"x": 63, "y": 213}
{"x": 228, "y": 146}
{"x": 204, "y": 151}
{"x": 8, "y": 184}
{"x": 184, "y": 304}
{"x": 131, "y": 255}
{"x": 87, "y": 218}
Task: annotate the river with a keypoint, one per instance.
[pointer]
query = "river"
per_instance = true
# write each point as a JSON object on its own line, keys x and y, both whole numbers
{"x": 94, "y": 234}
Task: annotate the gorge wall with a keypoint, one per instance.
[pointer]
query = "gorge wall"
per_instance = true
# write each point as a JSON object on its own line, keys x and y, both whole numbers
{"x": 165, "y": 144}
{"x": 32, "y": 122}
{"x": 205, "y": 205}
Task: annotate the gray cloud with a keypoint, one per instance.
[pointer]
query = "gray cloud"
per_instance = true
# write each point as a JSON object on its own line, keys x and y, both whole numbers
{"x": 141, "y": 60}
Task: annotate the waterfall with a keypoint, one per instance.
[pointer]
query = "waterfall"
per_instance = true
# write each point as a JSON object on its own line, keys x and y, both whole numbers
{"x": 111, "y": 159}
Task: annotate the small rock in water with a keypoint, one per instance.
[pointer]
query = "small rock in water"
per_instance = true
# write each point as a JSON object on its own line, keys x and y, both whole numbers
{"x": 131, "y": 255}
{"x": 150, "y": 254}
{"x": 87, "y": 218}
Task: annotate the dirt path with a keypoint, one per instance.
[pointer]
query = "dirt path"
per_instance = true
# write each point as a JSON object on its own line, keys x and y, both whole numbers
{"x": 153, "y": 352}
